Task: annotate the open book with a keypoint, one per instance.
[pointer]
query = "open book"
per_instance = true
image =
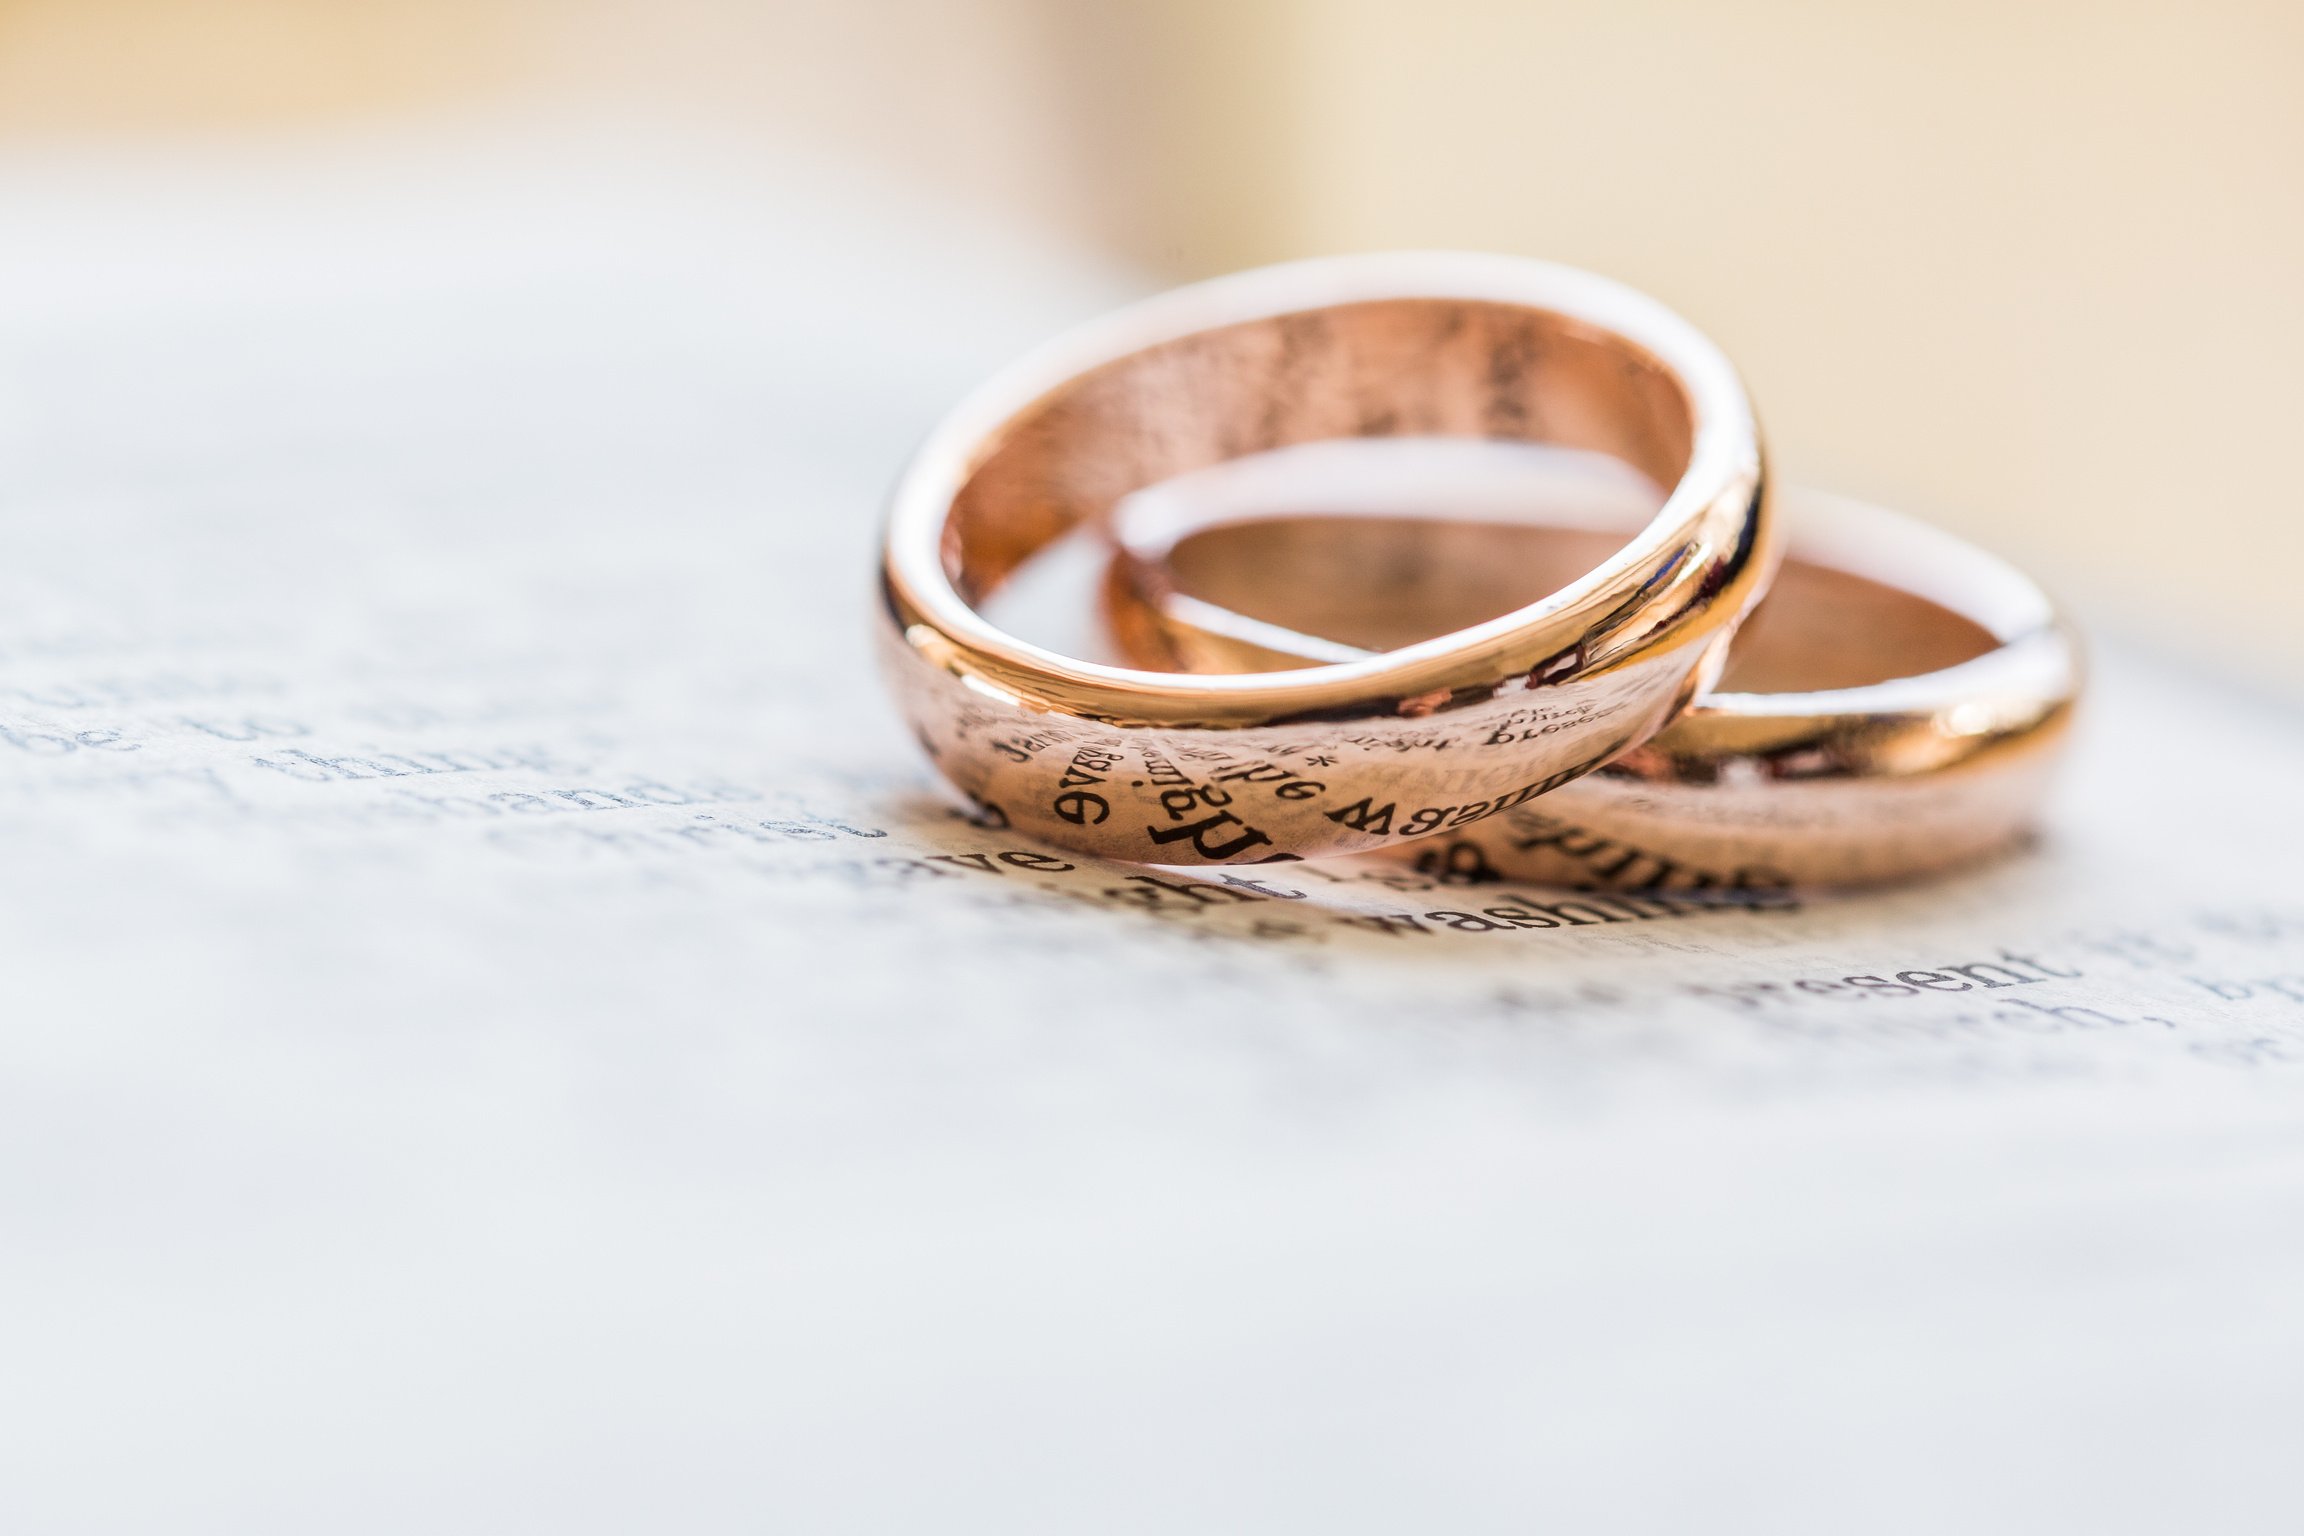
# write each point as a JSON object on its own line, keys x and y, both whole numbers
{"x": 505, "y": 1032}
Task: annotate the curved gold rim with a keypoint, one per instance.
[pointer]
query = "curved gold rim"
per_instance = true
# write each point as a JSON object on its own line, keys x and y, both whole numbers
{"x": 1831, "y": 785}
{"x": 1714, "y": 513}
{"x": 1448, "y": 342}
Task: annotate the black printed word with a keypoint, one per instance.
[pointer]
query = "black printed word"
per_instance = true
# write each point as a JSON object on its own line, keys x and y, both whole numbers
{"x": 2010, "y": 970}
{"x": 1366, "y": 816}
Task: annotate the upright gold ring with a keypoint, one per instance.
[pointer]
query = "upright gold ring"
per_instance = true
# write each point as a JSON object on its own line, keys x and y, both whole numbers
{"x": 1335, "y": 758}
{"x": 1895, "y": 707}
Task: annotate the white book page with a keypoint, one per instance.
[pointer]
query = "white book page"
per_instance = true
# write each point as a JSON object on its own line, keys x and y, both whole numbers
{"x": 503, "y": 1031}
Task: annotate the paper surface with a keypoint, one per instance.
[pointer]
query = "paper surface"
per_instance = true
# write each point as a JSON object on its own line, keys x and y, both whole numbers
{"x": 503, "y": 1032}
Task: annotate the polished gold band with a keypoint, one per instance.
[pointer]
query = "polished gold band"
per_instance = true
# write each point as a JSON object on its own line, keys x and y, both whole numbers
{"x": 1894, "y": 708}
{"x": 1431, "y": 737}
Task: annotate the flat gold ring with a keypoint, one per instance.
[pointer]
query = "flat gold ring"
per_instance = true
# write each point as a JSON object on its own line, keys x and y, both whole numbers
{"x": 1341, "y": 757}
{"x": 1895, "y": 708}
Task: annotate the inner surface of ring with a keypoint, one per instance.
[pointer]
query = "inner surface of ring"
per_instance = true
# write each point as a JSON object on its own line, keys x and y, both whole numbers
{"x": 1381, "y": 582}
{"x": 1379, "y": 368}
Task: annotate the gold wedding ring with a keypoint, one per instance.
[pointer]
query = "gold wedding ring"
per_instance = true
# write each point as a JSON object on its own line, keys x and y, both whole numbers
{"x": 1894, "y": 708}
{"x": 1433, "y": 736}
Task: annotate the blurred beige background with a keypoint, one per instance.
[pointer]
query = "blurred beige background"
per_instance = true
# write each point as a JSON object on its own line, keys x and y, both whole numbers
{"x": 2031, "y": 270}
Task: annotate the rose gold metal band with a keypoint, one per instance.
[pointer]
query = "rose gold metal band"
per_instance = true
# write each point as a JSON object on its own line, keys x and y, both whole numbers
{"x": 1894, "y": 708}
{"x": 1434, "y": 736}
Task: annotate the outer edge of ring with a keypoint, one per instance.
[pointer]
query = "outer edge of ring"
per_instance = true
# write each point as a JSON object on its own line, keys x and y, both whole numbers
{"x": 2023, "y": 691}
{"x": 1718, "y": 512}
